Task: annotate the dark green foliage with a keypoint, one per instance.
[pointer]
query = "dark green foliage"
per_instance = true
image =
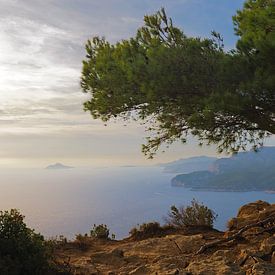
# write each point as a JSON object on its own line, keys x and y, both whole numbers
{"x": 100, "y": 231}
{"x": 183, "y": 86}
{"x": 22, "y": 251}
{"x": 149, "y": 230}
{"x": 196, "y": 214}
{"x": 255, "y": 24}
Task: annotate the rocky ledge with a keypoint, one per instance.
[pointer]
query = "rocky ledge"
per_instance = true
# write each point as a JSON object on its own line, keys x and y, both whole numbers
{"x": 248, "y": 247}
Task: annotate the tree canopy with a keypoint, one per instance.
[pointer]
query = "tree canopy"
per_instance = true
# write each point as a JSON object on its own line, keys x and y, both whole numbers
{"x": 22, "y": 251}
{"x": 180, "y": 86}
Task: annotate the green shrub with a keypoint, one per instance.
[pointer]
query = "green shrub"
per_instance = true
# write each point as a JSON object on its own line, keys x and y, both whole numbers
{"x": 22, "y": 251}
{"x": 195, "y": 214}
{"x": 100, "y": 231}
{"x": 149, "y": 230}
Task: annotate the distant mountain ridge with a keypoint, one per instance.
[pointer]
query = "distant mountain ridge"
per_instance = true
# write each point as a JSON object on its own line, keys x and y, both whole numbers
{"x": 246, "y": 171}
{"x": 189, "y": 165}
{"x": 58, "y": 166}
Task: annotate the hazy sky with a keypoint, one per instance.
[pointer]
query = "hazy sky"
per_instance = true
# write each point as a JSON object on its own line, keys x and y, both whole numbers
{"x": 41, "y": 48}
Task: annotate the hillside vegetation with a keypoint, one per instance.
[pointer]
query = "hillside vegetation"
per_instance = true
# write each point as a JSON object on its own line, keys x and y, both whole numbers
{"x": 248, "y": 171}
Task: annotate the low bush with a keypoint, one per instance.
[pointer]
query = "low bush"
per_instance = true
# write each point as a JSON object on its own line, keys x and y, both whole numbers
{"x": 22, "y": 251}
{"x": 195, "y": 214}
{"x": 100, "y": 231}
{"x": 149, "y": 230}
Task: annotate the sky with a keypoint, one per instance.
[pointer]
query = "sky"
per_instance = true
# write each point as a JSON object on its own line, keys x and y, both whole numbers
{"x": 42, "y": 45}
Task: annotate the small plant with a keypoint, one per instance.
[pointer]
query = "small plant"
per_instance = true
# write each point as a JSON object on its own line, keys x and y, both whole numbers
{"x": 100, "y": 231}
{"x": 195, "y": 214}
{"x": 149, "y": 230}
{"x": 82, "y": 241}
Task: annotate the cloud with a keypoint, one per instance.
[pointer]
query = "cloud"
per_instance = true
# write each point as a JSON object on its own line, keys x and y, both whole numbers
{"x": 41, "y": 49}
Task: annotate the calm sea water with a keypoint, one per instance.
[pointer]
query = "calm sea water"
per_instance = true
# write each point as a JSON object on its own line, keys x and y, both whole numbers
{"x": 70, "y": 201}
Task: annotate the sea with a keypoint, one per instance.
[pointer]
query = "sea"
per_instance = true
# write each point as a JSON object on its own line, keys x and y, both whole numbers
{"x": 70, "y": 201}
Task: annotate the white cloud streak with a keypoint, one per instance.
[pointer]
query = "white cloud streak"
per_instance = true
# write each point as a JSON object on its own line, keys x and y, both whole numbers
{"x": 42, "y": 45}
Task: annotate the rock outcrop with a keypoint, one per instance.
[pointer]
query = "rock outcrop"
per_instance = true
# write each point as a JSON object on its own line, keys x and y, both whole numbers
{"x": 248, "y": 247}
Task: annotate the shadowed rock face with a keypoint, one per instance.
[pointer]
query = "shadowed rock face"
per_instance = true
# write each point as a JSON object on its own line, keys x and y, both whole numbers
{"x": 253, "y": 252}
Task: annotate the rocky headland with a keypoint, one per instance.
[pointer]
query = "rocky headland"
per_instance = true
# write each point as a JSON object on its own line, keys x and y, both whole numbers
{"x": 242, "y": 172}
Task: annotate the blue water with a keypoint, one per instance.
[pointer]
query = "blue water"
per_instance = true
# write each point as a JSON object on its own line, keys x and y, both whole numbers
{"x": 70, "y": 201}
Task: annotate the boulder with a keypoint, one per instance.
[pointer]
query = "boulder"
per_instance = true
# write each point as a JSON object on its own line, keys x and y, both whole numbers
{"x": 253, "y": 208}
{"x": 251, "y": 213}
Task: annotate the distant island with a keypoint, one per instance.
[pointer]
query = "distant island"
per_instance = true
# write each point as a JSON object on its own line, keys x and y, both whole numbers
{"x": 58, "y": 166}
{"x": 247, "y": 171}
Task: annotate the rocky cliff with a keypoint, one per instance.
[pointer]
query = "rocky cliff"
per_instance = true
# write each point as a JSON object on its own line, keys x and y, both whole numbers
{"x": 248, "y": 247}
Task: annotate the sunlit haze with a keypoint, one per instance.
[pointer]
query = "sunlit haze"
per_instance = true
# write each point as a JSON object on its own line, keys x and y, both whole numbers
{"x": 42, "y": 46}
